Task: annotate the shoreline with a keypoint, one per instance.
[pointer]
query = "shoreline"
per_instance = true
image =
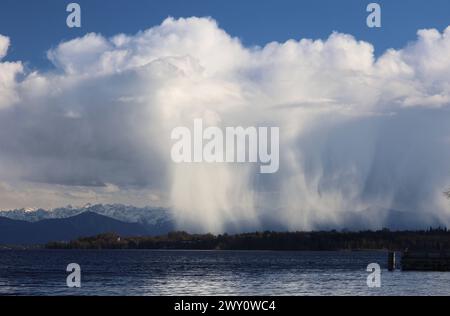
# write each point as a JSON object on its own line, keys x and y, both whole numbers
{"x": 187, "y": 250}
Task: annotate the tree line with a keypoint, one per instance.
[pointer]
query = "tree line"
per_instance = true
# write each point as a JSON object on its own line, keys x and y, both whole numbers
{"x": 431, "y": 239}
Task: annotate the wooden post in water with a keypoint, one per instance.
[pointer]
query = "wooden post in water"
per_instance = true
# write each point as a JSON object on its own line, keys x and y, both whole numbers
{"x": 391, "y": 261}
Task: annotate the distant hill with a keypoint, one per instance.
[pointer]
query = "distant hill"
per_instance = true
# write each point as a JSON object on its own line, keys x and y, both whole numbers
{"x": 156, "y": 220}
{"x": 65, "y": 229}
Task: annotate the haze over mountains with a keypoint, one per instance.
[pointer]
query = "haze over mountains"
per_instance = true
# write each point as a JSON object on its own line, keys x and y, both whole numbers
{"x": 34, "y": 226}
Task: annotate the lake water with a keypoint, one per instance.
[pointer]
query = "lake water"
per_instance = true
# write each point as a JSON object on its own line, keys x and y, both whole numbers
{"x": 154, "y": 272}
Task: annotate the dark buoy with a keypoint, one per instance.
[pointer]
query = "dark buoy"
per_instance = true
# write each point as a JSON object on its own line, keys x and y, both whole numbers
{"x": 391, "y": 261}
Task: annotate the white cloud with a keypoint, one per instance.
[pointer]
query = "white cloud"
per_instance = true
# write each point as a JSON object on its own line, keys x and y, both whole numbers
{"x": 81, "y": 54}
{"x": 8, "y": 73}
{"x": 360, "y": 135}
{"x": 4, "y": 44}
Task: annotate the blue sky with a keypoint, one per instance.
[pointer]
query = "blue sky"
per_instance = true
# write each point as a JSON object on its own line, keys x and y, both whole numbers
{"x": 36, "y": 26}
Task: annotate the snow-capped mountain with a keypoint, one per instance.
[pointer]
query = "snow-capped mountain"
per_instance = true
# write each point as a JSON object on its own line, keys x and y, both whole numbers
{"x": 65, "y": 229}
{"x": 144, "y": 215}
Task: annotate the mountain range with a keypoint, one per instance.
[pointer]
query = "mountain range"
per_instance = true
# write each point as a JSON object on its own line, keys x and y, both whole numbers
{"x": 26, "y": 226}
{"x": 125, "y": 213}
{"x": 64, "y": 229}
{"x": 32, "y": 226}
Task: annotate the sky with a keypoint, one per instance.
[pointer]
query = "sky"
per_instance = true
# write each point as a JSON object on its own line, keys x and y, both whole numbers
{"x": 35, "y": 26}
{"x": 86, "y": 114}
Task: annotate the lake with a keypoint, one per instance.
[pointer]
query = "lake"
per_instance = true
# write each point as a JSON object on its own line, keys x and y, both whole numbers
{"x": 160, "y": 272}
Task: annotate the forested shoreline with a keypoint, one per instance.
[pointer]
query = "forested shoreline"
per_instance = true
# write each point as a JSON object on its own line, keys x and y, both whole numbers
{"x": 431, "y": 239}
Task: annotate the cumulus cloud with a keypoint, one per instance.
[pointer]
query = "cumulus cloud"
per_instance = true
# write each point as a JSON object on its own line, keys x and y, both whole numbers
{"x": 8, "y": 73}
{"x": 4, "y": 44}
{"x": 364, "y": 141}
